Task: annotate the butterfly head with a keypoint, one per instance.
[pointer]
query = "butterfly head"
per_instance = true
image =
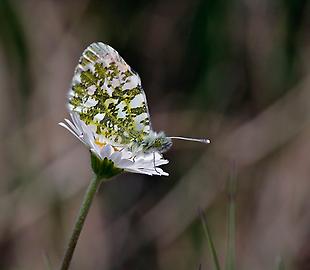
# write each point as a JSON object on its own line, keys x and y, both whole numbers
{"x": 156, "y": 142}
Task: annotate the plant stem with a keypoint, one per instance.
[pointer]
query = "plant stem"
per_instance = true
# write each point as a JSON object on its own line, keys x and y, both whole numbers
{"x": 78, "y": 226}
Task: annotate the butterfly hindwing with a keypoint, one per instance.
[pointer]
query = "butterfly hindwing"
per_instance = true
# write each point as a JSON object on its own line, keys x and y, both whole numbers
{"x": 108, "y": 96}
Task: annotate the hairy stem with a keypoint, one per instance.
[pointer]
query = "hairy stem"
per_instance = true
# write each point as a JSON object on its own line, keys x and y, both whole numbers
{"x": 78, "y": 226}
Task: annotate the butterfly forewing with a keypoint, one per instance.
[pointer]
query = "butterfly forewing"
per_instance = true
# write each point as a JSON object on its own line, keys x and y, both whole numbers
{"x": 108, "y": 96}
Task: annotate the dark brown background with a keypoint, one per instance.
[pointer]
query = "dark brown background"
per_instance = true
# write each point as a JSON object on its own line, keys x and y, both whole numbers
{"x": 235, "y": 71}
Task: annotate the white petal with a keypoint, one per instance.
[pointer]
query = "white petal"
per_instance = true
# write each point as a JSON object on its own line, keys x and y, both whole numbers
{"x": 70, "y": 130}
{"x": 95, "y": 151}
{"x": 123, "y": 163}
{"x": 138, "y": 171}
{"x": 156, "y": 171}
{"x": 161, "y": 172}
{"x": 116, "y": 157}
{"x": 161, "y": 162}
{"x": 106, "y": 151}
{"x": 77, "y": 121}
{"x": 126, "y": 154}
{"x": 73, "y": 127}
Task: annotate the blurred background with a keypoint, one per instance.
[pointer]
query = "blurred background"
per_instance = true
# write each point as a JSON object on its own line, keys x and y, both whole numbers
{"x": 234, "y": 71}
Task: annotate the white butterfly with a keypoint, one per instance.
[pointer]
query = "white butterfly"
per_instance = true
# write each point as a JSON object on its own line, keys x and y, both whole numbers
{"x": 107, "y": 96}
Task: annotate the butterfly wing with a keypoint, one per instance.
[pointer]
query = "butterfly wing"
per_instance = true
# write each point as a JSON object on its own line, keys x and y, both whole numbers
{"x": 108, "y": 96}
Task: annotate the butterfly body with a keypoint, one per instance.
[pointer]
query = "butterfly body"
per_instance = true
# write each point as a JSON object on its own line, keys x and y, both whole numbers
{"x": 153, "y": 142}
{"x": 107, "y": 95}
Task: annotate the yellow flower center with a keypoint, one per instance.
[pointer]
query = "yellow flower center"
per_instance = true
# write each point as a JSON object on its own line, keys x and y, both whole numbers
{"x": 101, "y": 144}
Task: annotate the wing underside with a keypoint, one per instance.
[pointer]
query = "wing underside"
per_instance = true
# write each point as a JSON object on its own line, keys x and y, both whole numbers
{"x": 108, "y": 96}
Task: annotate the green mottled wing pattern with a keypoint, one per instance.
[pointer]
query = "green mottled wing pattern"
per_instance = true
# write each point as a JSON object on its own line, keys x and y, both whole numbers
{"x": 108, "y": 96}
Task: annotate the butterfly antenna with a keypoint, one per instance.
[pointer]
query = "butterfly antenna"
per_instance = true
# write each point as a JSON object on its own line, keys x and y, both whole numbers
{"x": 191, "y": 139}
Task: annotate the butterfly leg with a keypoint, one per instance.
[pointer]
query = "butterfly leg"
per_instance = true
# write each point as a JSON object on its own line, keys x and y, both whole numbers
{"x": 134, "y": 157}
{"x": 154, "y": 163}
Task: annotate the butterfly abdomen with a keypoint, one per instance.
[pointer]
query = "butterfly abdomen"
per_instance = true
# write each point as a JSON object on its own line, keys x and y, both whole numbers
{"x": 155, "y": 142}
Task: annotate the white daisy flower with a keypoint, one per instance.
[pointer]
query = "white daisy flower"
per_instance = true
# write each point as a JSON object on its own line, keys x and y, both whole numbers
{"x": 122, "y": 158}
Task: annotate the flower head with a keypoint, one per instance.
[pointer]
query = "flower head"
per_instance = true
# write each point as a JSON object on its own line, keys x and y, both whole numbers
{"x": 122, "y": 158}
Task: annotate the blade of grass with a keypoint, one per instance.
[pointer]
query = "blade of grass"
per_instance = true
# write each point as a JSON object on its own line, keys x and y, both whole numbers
{"x": 209, "y": 240}
{"x": 13, "y": 38}
{"x": 280, "y": 264}
{"x": 231, "y": 225}
{"x": 47, "y": 261}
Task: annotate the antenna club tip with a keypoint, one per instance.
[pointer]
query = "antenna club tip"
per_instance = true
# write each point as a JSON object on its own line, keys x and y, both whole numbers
{"x": 207, "y": 141}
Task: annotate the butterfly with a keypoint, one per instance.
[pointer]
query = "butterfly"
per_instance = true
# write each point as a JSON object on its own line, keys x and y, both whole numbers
{"x": 108, "y": 96}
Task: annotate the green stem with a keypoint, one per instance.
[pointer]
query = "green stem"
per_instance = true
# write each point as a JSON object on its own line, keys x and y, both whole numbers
{"x": 210, "y": 241}
{"x": 78, "y": 226}
{"x": 231, "y": 243}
